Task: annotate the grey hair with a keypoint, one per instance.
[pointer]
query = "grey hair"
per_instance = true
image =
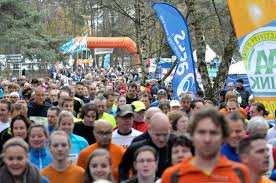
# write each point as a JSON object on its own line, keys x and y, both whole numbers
{"x": 255, "y": 123}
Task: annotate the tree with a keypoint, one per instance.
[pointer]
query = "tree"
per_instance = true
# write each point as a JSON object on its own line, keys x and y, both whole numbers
{"x": 211, "y": 26}
{"x": 22, "y": 32}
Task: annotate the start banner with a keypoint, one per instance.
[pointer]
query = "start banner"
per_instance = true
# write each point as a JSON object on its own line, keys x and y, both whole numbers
{"x": 255, "y": 26}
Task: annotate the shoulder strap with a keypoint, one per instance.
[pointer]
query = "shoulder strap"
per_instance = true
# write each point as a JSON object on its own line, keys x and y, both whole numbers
{"x": 175, "y": 177}
{"x": 240, "y": 174}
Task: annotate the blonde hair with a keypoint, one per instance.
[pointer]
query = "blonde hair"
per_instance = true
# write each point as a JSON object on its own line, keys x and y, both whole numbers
{"x": 64, "y": 114}
{"x": 15, "y": 141}
{"x": 59, "y": 133}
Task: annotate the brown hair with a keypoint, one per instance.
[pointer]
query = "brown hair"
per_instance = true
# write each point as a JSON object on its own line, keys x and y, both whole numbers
{"x": 214, "y": 115}
{"x": 98, "y": 152}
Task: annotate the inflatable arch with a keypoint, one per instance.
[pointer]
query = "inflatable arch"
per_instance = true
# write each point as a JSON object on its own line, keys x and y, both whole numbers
{"x": 115, "y": 42}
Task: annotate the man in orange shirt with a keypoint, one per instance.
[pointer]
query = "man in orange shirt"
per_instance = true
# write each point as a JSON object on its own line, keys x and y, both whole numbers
{"x": 103, "y": 135}
{"x": 254, "y": 153}
{"x": 208, "y": 131}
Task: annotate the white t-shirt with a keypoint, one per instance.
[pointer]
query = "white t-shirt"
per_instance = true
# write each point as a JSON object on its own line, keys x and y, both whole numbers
{"x": 4, "y": 126}
{"x": 271, "y": 134}
{"x": 124, "y": 140}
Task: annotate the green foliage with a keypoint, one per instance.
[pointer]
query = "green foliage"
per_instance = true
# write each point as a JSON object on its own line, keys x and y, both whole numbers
{"x": 21, "y": 31}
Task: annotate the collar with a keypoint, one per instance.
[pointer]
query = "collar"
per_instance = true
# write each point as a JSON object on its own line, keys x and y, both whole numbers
{"x": 187, "y": 167}
{"x": 124, "y": 134}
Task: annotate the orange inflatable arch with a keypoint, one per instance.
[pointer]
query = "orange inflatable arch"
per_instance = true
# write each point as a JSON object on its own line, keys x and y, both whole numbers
{"x": 115, "y": 42}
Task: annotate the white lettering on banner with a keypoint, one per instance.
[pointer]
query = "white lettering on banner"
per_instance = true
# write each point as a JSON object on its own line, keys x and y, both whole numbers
{"x": 178, "y": 38}
{"x": 185, "y": 84}
{"x": 186, "y": 79}
{"x": 182, "y": 68}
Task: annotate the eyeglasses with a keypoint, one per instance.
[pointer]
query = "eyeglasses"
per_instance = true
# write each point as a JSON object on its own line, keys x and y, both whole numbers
{"x": 101, "y": 133}
{"x": 145, "y": 160}
{"x": 165, "y": 135}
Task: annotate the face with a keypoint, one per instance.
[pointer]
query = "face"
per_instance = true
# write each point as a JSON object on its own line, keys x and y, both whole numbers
{"x": 254, "y": 112}
{"x": 207, "y": 139}
{"x": 39, "y": 96}
{"x": 185, "y": 104}
{"x": 146, "y": 101}
{"x": 13, "y": 99}
{"x": 182, "y": 124}
{"x": 59, "y": 147}
{"x": 52, "y": 117}
{"x": 16, "y": 160}
{"x": 258, "y": 157}
{"x": 198, "y": 107}
{"x": 139, "y": 116}
{"x": 92, "y": 90}
{"x": 179, "y": 153}
{"x": 62, "y": 96}
{"x": 125, "y": 123}
{"x": 85, "y": 91}
{"x": 132, "y": 91}
{"x": 79, "y": 90}
{"x": 103, "y": 135}
{"x": 19, "y": 129}
{"x": 90, "y": 117}
{"x": 4, "y": 112}
{"x": 101, "y": 106}
{"x": 66, "y": 124}
{"x": 165, "y": 109}
{"x": 68, "y": 106}
{"x": 53, "y": 95}
{"x": 232, "y": 106}
{"x": 237, "y": 133}
{"x": 145, "y": 164}
{"x": 110, "y": 101}
{"x": 121, "y": 101}
{"x": 159, "y": 135}
{"x": 100, "y": 168}
{"x": 37, "y": 138}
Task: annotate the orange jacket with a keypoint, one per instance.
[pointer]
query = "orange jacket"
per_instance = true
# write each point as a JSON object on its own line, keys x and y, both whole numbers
{"x": 242, "y": 112}
{"x": 224, "y": 171}
{"x": 116, "y": 154}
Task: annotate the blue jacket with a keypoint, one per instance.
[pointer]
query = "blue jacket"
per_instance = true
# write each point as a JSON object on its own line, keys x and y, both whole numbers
{"x": 230, "y": 152}
{"x": 78, "y": 143}
{"x": 40, "y": 158}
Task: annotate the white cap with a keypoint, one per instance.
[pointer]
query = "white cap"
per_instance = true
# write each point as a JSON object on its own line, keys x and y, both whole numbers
{"x": 15, "y": 94}
{"x": 174, "y": 103}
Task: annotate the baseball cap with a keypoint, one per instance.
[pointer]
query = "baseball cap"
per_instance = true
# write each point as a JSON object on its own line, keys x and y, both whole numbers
{"x": 125, "y": 109}
{"x": 14, "y": 94}
{"x": 138, "y": 106}
{"x": 174, "y": 103}
{"x": 161, "y": 92}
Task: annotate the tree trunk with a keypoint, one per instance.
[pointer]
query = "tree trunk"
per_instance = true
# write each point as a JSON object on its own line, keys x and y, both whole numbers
{"x": 201, "y": 45}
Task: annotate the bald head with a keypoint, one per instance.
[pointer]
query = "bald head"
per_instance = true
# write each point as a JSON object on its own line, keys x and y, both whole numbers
{"x": 159, "y": 120}
{"x": 100, "y": 125}
{"x": 159, "y": 129}
{"x": 150, "y": 112}
{"x": 103, "y": 132}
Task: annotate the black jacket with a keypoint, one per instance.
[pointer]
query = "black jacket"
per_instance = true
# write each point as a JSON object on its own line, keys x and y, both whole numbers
{"x": 38, "y": 110}
{"x": 127, "y": 161}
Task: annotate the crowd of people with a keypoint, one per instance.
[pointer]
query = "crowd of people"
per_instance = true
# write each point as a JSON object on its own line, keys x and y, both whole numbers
{"x": 109, "y": 128}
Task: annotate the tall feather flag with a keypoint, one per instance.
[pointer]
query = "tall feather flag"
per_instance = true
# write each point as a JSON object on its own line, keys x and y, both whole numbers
{"x": 177, "y": 32}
